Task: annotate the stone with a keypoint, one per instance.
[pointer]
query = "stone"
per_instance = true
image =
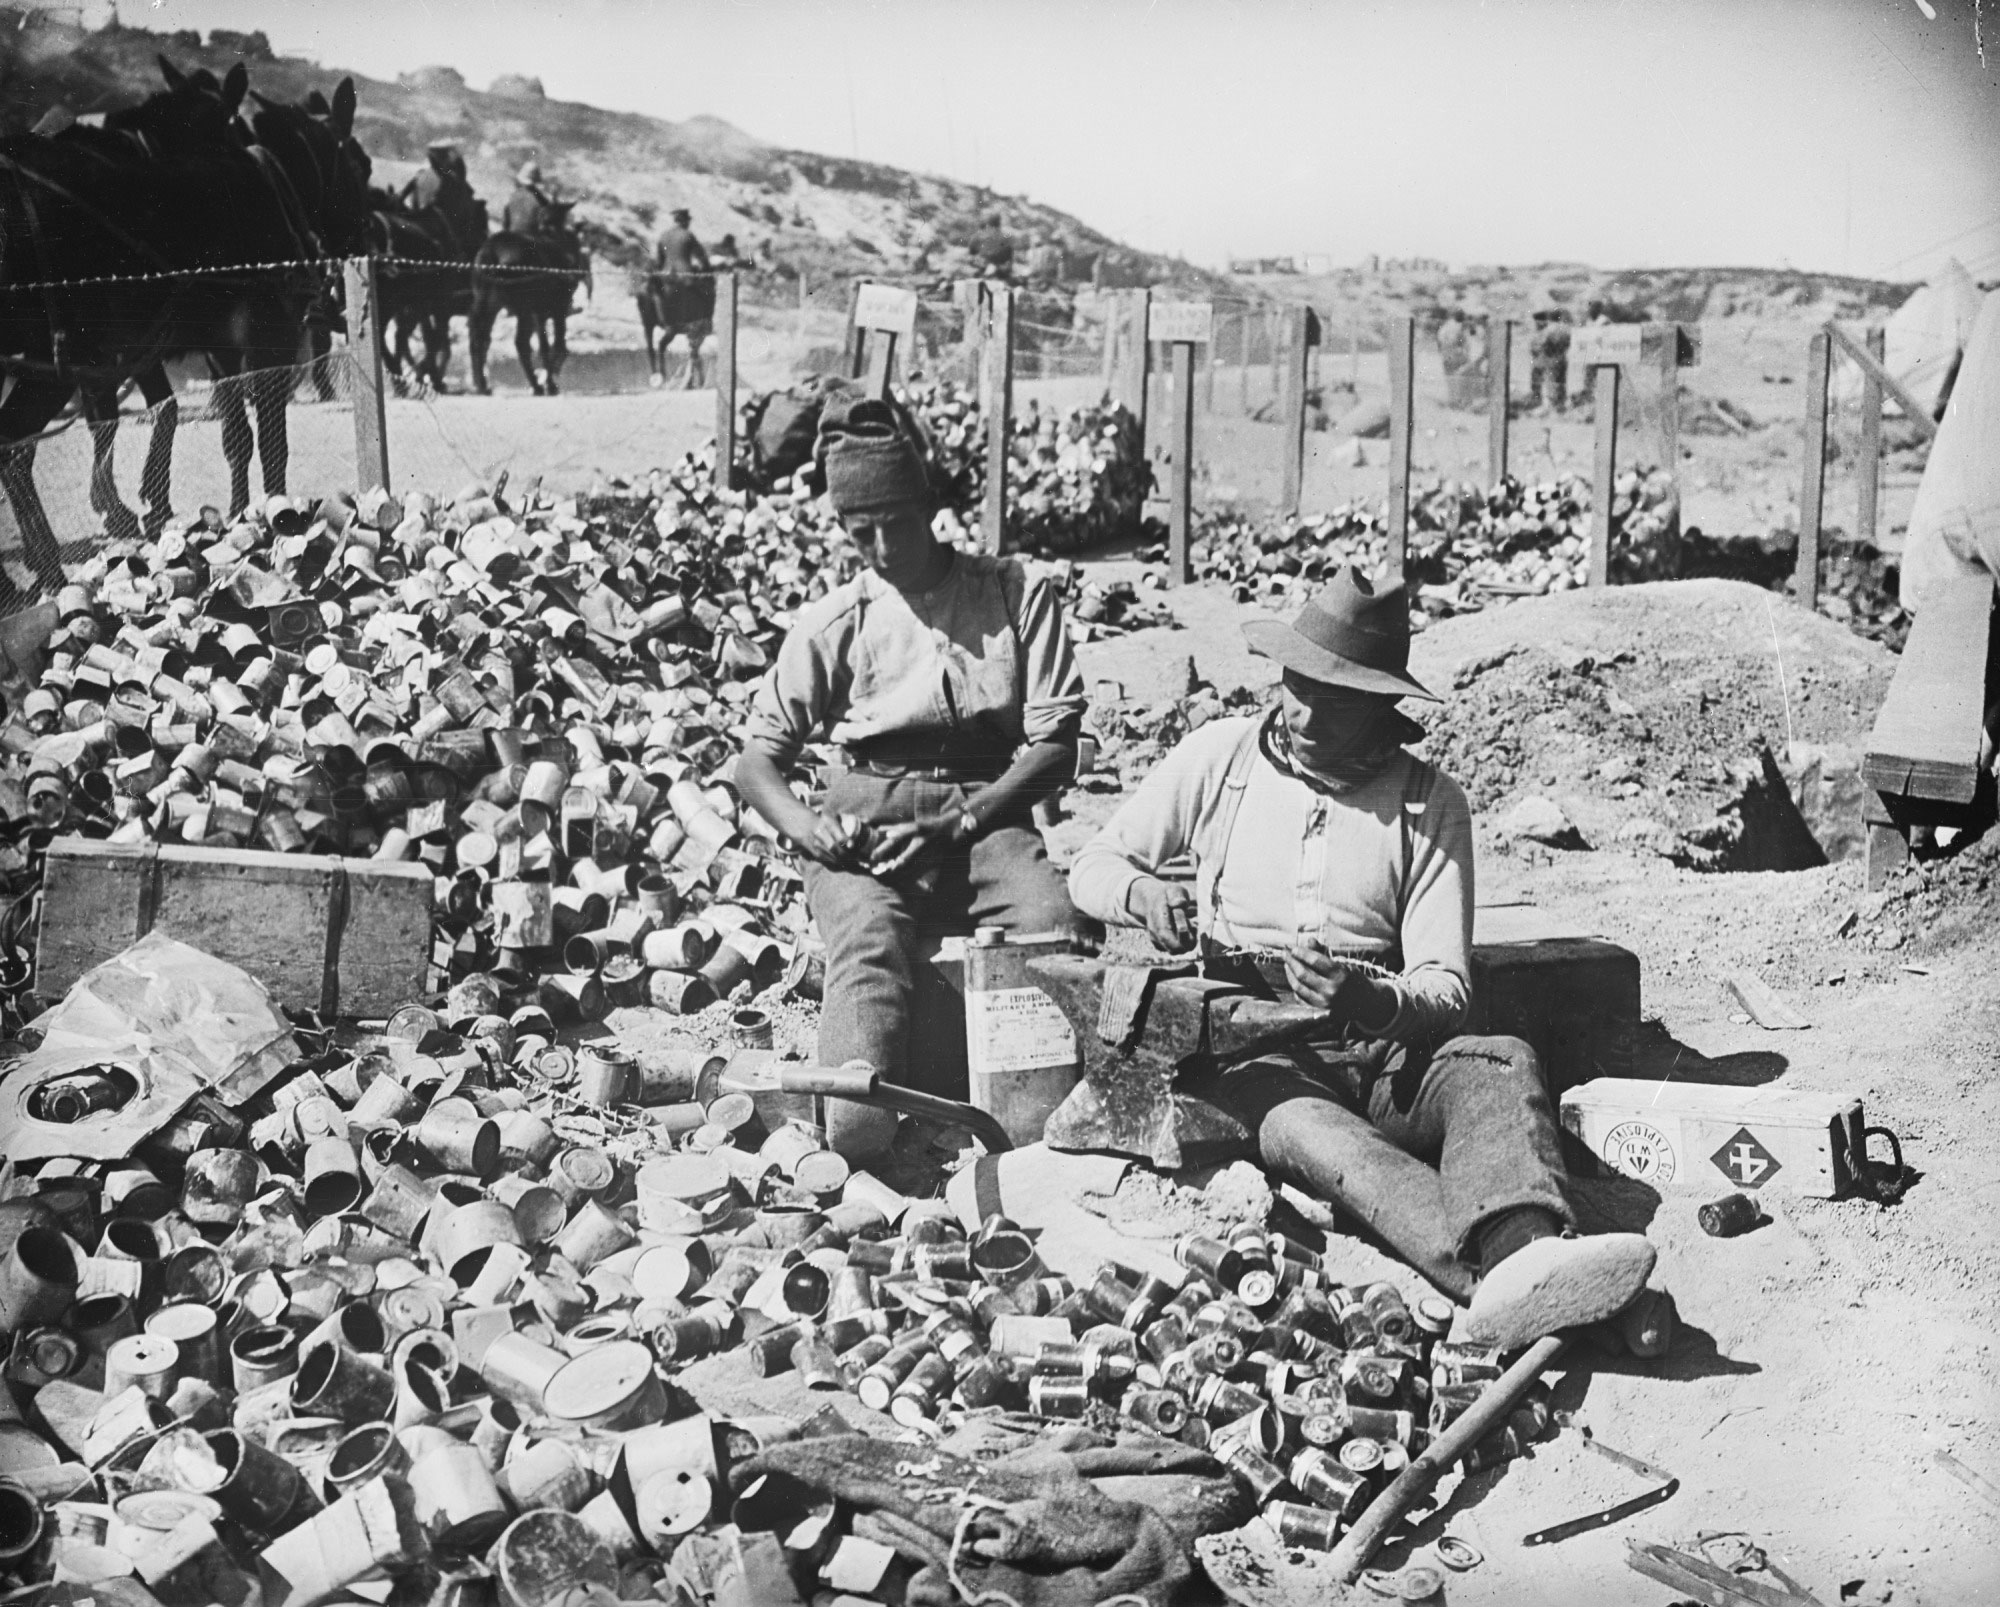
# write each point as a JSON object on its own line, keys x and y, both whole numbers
{"x": 1541, "y": 821}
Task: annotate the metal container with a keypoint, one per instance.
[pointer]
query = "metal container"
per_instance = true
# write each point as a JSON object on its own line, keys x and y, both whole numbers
{"x": 262, "y": 1354}
{"x": 338, "y": 1382}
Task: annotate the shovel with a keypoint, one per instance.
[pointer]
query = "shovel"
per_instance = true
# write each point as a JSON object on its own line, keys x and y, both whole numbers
{"x": 762, "y": 1075}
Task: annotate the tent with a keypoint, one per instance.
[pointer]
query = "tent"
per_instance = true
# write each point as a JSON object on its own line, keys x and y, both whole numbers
{"x": 1955, "y": 524}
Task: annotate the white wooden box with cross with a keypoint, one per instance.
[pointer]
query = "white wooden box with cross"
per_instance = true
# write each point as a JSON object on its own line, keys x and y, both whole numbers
{"x": 1710, "y": 1136}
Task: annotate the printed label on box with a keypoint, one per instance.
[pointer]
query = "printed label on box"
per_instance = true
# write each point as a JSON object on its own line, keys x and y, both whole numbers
{"x": 1640, "y": 1150}
{"x": 1017, "y": 1029}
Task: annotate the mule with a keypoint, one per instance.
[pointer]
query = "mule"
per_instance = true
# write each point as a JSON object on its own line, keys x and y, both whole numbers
{"x": 534, "y": 277}
{"x": 677, "y": 304}
{"x": 115, "y": 251}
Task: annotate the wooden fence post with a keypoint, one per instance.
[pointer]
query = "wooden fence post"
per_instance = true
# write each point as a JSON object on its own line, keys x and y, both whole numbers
{"x": 1300, "y": 331}
{"x": 1402, "y": 339}
{"x": 1812, "y": 490}
{"x": 854, "y": 343}
{"x": 1180, "y": 570}
{"x": 1604, "y": 470}
{"x": 1670, "y": 404}
{"x": 1499, "y": 386}
{"x": 1243, "y": 363}
{"x": 996, "y": 397}
{"x": 1132, "y": 365}
{"x": 364, "y": 345}
{"x": 967, "y": 296}
{"x": 1869, "y": 469}
{"x": 725, "y": 379}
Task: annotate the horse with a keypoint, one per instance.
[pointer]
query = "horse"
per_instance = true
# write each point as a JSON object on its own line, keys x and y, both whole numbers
{"x": 676, "y": 304}
{"x": 116, "y": 247}
{"x": 418, "y": 299}
{"x": 532, "y": 276}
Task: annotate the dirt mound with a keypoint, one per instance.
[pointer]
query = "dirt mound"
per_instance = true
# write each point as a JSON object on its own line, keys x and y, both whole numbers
{"x": 1931, "y": 905}
{"x": 1647, "y": 712}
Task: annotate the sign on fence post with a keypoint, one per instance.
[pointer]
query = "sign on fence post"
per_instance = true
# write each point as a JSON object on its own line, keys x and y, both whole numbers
{"x": 1604, "y": 470}
{"x": 1402, "y": 338}
{"x": 725, "y": 378}
{"x": 1182, "y": 325}
{"x": 1812, "y": 492}
{"x": 996, "y": 397}
{"x": 890, "y": 316}
{"x": 1499, "y": 384}
{"x": 1603, "y": 349}
{"x": 1869, "y": 470}
{"x": 364, "y": 345}
{"x": 1301, "y": 334}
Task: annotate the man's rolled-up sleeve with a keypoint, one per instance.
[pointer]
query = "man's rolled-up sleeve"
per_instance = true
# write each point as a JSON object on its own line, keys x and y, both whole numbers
{"x": 1156, "y": 824}
{"x": 796, "y": 696}
{"x": 1052, "y": 696}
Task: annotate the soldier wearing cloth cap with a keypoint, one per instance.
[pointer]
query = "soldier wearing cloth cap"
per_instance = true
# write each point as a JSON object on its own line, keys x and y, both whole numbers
{"x": 948, "y": 680}
{"x": 1317, "y": 836}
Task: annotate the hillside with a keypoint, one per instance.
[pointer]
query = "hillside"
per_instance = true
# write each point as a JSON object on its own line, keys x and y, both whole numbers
{"x": 793, "y": 211}
{"x": 1368, "y": 294}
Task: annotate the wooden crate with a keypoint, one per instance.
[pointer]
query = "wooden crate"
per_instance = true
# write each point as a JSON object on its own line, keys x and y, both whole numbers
{"x": 1574, "y": 999}
{"x": 1717, "y": 1137}
{"x": 341, "y": 936}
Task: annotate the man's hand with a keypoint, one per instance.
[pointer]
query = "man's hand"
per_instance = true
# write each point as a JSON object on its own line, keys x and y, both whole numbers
{"x": 895, "y": 847}
{"x": 1166, "y": 910}
{"x": 1317, "y": 977}
{"x": 828, "y": 842}
{"x": 1334, "y": 984}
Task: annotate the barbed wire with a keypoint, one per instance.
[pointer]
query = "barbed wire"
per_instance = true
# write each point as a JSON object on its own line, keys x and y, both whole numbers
{"x": 244, "y": 269}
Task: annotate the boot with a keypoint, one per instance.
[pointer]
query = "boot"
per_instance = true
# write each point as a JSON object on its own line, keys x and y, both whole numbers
{"x": 1557, "y": 1283}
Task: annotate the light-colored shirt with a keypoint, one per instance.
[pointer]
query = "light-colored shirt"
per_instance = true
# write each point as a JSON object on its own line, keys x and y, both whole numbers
{"x": 982, "y": 655}
{"x": 1383, "y": 870}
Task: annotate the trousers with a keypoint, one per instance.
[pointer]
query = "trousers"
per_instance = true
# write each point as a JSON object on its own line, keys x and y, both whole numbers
{"x": 1421, "y": 1147}
{"x": 878, "y": 933}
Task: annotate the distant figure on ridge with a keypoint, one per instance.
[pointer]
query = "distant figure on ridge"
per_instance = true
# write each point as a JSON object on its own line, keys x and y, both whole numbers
{"x": 995, "y": 250}
{"x": 1550, "y": 351}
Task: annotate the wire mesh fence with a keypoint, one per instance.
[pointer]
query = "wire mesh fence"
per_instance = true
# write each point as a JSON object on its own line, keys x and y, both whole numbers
{"x": 213, "y": 443}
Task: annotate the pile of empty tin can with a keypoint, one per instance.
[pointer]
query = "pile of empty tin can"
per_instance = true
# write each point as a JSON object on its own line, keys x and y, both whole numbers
{"x": 425, "y": 1312}
{"x": 531, "y": 703}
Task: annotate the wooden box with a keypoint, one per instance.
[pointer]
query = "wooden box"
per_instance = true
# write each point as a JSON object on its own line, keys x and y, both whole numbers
{"x": 1718, "y": 1137}
{"x": 340, "y": 936}
{"x": 1574, "y": 999}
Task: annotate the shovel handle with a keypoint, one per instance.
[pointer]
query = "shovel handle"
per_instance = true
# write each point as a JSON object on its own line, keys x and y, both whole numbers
{"x": 1500, "y": 1397}
{"x": 863, "y": 1084}
{"x": 857, "y": 1081}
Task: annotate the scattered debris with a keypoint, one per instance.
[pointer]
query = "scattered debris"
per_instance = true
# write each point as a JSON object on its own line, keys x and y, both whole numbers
{"x": 1769, "y": 1011}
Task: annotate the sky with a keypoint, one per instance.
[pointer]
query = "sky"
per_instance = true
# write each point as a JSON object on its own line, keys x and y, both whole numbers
{"x": 1858, "y": 136}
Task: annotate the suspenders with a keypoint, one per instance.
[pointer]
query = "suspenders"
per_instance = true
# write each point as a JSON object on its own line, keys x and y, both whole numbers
{"x": 1211, "y": 855}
